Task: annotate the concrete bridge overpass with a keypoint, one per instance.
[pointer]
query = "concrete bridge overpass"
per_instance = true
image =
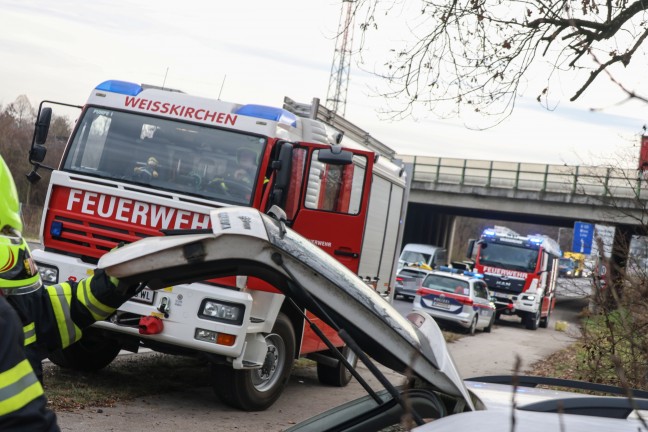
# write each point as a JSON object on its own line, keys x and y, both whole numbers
{"x": 556, "y": 195}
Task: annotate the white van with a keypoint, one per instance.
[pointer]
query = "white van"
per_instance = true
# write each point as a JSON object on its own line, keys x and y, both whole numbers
{"x": 415, "y": 253}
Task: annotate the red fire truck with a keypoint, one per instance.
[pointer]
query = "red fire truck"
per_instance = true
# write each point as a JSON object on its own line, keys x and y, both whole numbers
{"x": 145, "y": 161}
{"x": 520, "y": 272}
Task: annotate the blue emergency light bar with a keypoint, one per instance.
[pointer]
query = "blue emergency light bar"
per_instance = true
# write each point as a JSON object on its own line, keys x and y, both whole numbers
{"x": 122, "y": 87}
{"x": 268, "y": 113}
{"x": 465, "y": 272}
{"x": 488, "y": 232}
{"x": 448, "y": 269}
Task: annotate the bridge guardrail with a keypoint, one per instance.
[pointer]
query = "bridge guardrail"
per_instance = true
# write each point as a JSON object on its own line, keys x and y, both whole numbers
{"x": 597, "y": 181}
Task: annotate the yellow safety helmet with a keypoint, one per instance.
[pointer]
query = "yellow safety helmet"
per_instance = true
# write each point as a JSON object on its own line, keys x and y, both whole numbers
{"x": 18, "y": 272}
{"x": 9, "y": 204}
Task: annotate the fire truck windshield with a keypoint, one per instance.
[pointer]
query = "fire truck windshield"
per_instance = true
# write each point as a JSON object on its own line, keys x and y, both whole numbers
{"x": 508, "y": 257}
{"x": 178, "y": 157}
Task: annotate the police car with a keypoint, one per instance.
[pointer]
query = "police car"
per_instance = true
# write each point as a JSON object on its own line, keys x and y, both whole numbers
{"x": 457, "y": 297}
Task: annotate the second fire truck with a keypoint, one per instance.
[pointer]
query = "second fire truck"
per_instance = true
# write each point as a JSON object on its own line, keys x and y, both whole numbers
{"x": 520, "y": 272}
{"x": 144, "y": 161}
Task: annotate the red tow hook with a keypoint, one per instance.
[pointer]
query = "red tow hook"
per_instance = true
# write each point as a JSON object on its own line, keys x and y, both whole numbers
{"x": 150, "y": 325}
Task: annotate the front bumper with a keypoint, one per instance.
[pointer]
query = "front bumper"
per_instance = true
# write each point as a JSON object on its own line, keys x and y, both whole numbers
{"x": 178, "y": 307}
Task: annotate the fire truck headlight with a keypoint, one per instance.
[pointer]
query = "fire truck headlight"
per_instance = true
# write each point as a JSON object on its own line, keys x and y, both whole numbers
{"x": 528, "y": 297}
{"x": 48, "y": 274}
{"x": 221, "y": 311}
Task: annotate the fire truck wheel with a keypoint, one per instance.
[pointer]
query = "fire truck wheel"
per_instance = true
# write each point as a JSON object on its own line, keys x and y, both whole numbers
{"x": 92, "y": 353}
{"x": 337, "y": 376}
{"x": 257, "y": 389}
{"x": 473, "y": 327}
{"x": 544, "y": 322}
{"x": 532, "y": 320}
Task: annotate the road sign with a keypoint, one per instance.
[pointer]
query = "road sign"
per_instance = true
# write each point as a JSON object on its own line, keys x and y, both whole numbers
{"x": 583, "y": 235}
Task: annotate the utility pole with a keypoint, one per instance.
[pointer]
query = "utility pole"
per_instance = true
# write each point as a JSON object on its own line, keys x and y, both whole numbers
{"x": 339, "y": 78}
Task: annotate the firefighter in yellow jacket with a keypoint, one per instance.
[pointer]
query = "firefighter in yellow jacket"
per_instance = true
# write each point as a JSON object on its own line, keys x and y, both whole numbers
{"x": 35, "y": 319}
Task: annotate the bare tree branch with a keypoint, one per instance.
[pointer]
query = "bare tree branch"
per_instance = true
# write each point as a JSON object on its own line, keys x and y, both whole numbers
{"x": 476, "y": 53}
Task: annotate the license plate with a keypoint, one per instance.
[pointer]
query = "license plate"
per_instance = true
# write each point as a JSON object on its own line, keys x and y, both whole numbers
{"x": 441, "y": 305}
{"x": 145, "y": 296}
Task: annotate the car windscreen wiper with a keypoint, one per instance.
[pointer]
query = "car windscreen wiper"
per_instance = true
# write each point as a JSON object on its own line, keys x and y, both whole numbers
{"x": 350, "y": 342}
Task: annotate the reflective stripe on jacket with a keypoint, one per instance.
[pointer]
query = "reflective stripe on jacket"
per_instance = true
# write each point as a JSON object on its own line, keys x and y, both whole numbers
{"x": 22, "y": 403}
{"x": 32, "y": 326}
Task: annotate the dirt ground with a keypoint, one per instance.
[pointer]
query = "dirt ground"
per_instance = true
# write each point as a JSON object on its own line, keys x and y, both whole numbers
{"x": 197, "y": 408}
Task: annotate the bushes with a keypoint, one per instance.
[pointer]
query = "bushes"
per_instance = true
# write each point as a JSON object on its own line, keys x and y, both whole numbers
{"x": 614, "y": 347}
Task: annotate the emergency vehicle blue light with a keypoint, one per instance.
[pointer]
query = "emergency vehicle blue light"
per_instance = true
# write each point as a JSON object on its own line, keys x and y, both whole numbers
{"x": 56, "y": 228}
{"x": 448, "y": 269}
{"x": 489, "y": 232}
{"x": 473, "y": 274}
{"x": 268, "y": 113}
{"x": 123, "y": 87}
{"x": 536, "y": 240}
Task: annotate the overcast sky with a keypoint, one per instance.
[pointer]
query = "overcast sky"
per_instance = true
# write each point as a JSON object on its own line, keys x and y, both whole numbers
{"x": 259, "y": 52}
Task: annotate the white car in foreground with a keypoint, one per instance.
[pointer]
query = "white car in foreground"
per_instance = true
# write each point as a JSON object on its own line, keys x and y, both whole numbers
{"x": 244, "y": 242}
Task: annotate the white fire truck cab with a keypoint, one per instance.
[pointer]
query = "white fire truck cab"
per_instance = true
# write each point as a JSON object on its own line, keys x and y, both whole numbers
{"x": 520, "y": 272}
{"x": 144, "y": 161}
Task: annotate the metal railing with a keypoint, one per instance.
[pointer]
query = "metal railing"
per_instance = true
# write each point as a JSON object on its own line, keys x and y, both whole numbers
{"x": 574, "y": 180}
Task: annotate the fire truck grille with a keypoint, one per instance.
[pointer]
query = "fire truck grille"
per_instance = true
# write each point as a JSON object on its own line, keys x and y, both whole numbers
{"x": 510, "y": 285}
{"x": 89, "y": 240}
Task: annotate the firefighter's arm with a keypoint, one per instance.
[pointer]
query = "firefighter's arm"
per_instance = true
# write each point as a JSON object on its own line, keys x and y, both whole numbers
{"x": 22, "y": 405}
{"x": 72, "y": 306}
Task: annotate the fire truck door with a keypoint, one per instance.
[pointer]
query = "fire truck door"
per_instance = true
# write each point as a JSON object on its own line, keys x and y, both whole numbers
{"x": 332, "y": 211}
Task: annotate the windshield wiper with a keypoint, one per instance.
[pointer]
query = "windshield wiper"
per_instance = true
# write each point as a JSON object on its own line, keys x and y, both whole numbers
{"x": 351, "y": 343}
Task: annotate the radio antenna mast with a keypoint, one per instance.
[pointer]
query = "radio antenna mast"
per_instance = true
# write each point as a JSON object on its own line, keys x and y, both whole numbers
{"x": 339, "y": 79}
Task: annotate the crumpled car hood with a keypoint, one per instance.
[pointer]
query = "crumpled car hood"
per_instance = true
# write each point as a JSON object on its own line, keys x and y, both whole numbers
{"x": 247, "y": 242}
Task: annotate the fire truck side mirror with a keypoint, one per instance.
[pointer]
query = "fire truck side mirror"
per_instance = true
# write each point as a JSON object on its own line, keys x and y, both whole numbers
{"x": 283, "y": 168}
{"x": 470, "y": 248}
{"x": 335, "y": 156}
{"x": 37, "y": 153}
{"x": 38, "y": 150}
{"x": 42, "y": 128}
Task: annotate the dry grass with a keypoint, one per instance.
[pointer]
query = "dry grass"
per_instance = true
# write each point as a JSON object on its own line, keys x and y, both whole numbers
{"x": 126, "y": 378}
{"x": 561, "y": 364}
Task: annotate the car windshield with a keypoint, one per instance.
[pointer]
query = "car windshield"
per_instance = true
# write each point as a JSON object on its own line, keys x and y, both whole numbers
{"x": 167, "y": 155}
{"x": 508, "y": 257}
{"x": 566, "y": 263}
{"x": 447, "y": 284}
{"x": 415, "y": 257}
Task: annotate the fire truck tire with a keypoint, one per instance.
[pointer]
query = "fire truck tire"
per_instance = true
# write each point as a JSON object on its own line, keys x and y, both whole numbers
{"x": 473, "y": 327}
{"x": 257, "y": 389}
{"x": 544, "y": 322}
{"x": 92, "y": 353}
{"x": 532, "y": 320}
{"x": 338, "y": 376}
